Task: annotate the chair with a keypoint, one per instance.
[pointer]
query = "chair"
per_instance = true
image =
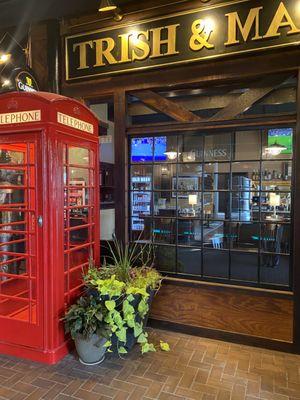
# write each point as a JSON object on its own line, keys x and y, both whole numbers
{"x": 217, "y": 241}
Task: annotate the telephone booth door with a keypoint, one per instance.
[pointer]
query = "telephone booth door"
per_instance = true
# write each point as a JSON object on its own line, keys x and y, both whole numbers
{"x": 20, "y": 234}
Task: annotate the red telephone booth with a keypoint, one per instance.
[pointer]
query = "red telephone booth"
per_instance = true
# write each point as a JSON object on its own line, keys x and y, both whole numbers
{"x": 49, "y": 218}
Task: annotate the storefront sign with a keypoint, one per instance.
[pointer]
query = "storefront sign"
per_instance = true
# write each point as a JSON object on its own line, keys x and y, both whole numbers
{"x": 74, "y": 123}
{"x": 225, "y": 29}
{"x": 20, "y": 117}
{"x": 105, "y": 139}
{"x": 25, "y": 82}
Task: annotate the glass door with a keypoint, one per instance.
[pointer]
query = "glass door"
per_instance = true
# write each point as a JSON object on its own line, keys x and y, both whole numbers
{"x": 79, "y": 216}
{"x": 19, "y": 277}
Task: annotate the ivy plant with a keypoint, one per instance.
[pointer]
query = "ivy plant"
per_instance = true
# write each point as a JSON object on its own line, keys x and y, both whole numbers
{"x": 126, "y": 307}
{"x": 85, "y": 318}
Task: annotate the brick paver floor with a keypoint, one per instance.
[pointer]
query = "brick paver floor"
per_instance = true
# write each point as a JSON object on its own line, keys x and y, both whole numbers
{"x": 196, "y": 368}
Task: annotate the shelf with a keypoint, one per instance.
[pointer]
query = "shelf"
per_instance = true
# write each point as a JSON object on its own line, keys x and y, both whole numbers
{"x": 274, "y": 182}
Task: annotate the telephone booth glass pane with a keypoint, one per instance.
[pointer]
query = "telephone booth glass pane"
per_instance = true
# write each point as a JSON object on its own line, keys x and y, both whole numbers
{"x": 18, "y": 292}
{"x": 79, "y": 200}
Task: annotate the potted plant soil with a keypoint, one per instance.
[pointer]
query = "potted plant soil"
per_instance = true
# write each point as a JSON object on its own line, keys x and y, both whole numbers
{"x": 85, "y": 322}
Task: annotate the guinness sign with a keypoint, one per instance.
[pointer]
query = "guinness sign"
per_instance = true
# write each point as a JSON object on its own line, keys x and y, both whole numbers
{"x": 225, "y": 29}
{"x": 25, "y": 82}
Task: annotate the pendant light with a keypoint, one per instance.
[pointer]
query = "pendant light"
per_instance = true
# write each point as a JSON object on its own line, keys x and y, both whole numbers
{"x": 275, "y": 149}
{"x": 107, "y": 5}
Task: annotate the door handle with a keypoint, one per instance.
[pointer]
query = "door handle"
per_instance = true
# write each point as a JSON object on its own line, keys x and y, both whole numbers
{"x": 40, "y": 221}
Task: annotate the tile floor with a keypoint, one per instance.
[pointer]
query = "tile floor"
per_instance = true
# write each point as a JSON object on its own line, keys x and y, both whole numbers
{"x": 196, "y": 368}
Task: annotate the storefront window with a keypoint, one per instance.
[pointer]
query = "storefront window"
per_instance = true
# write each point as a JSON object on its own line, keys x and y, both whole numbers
{"x": 216, "y": 206}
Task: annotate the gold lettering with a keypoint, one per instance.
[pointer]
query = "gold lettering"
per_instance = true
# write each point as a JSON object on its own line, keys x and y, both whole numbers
{"x": 82, "y": 53}
{"x": 201, "y": 30}
{"x": 170, "y": 41}
{"x": 281, "y": 19}
{"x": 104, "y": 47}
{"x": 234, "y": 22}
{"x": 124, "y": 47}
{"x": 141, "y": 45}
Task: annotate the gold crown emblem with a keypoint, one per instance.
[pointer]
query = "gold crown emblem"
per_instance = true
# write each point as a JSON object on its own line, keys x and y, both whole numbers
{"x": 28, "y": 81}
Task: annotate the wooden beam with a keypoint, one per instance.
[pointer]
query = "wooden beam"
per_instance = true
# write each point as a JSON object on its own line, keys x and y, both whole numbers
{"x": 295, "y": 276}
{"x": 121, "y": 170}
{"x": 208, "y": 102}
{"x": 251, "y": 96}
{"x": 250, "y": 121}
{"x": 165, "y": 106}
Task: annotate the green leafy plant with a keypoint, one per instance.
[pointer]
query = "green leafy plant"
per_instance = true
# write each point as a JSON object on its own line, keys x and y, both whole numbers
{"x": 124, "y": 287}
{"x": 85, "y": 318}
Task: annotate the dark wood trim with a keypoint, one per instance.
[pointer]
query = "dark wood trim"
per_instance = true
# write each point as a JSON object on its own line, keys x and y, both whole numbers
{"x": 210, "y": 125}
{"x": 166, "y": 106}
{"x": 248, "y": 98}
{"x": 202, "y": 73}
{"x": 53, "y": 56}
{"x": 219, "y": 287}
{"x": 225, "y": 336}
{"x": 132, "y": 12}
{"x": 121, "y": 165}
{"x": 296, "y": 247}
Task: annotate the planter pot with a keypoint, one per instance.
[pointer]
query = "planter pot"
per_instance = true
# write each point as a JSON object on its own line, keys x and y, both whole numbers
{"x": 90, "y": 351}
{"x": 130, "y": 338}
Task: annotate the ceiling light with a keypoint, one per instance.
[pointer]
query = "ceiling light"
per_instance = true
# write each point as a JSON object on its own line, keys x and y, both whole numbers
{"x": 6, "y": 83}
{"x": 172, "y": 155}
{"x": 107, "y": 5}
{"x": 4, "y": 57}
{"x": 275, "y": 149}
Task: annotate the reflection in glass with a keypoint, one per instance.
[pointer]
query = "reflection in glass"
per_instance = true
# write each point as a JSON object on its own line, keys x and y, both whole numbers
{"x": 244, "y": 266}
{"x": 189, "y": 231}
{"x": 220, "y": 193}
{"x": 217, "y": 176}
{"x": 75, "y": 278}
{"x": 189, "y": 204}
{"x": 275, "y": 238}
{"x": 11, "y": 156}
{"x": 275, "y": 269}
{"x": 247, "y": 145}
{"x": 217, "y": 204}
{"x": 164, "y": 230}
{"x": 143, "y": 228}
{"x": 247, "y": 236}
{"x": 216, "y": 235}
{"x": 165, "y": 204}
{"x": 165, "y": 258}
{"x": 276, "y": 207}
{"x": 79, "y": 236}
{"x": 142, "y": 149}
{"x": 276, "y": 175}
{"x": 164, "y": 177}
{"x": 78, "y": 156}
{"x": 189, "y": 261}
{"x": 217, "y": 147}
{"x": 169, "y": 150}
{"x": 215, "y": 263}
{"x": 78, "y": 176}
{"x": 141, "y": 177}
{"x": 277, "y": 143}
{"x": 190, "y": 148}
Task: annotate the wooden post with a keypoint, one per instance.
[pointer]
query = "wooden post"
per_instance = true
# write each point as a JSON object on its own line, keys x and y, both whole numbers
{"x": 121, "y": 166}
{"x": 296, "y": 215}
{"x": 53, "y": 52}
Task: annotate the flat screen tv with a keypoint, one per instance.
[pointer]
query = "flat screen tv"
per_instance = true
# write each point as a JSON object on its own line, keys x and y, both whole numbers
{"x": 142, "y": 149}
{"x": 283, "y": 136}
